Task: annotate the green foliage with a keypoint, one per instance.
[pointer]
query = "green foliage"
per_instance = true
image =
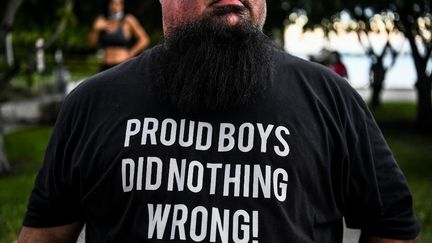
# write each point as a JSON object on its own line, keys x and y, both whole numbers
{"x": 35, "y": 20}
{"x": 67, "y": 13}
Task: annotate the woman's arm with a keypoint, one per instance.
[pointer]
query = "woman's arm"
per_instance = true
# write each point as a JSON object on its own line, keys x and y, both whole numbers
{"x": 99, "y": 25}
{"x": 142, "y": 39}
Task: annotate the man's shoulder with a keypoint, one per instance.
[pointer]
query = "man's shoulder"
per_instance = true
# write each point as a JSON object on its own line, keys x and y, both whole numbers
{"x": 295, "y": 73}
{"x": 132, "y": 72}
{"x": 294, "y": 68}
{"x": 286, "y": 61}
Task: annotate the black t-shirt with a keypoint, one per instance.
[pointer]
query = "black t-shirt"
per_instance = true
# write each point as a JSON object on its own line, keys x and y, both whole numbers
{"x": 285, "y": 169}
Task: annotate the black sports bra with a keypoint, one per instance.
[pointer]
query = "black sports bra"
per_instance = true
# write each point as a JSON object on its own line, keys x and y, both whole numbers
{"x": 114, "y": 38}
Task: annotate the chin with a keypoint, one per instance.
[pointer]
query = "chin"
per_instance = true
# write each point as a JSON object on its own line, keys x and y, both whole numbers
{"x": 231, "y": 19}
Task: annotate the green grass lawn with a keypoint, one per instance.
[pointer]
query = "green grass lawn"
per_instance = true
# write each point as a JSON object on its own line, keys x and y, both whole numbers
{"x": 413, "y": 151}
{"x": 414, "y": 155}
{"x": 25, "y": 150}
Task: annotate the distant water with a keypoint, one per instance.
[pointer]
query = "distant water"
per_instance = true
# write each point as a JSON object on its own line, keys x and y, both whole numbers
{"x": 401, "y": 76}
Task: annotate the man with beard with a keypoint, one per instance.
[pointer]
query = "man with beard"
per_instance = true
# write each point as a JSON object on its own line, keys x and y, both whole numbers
{"x": 216, "y": 136}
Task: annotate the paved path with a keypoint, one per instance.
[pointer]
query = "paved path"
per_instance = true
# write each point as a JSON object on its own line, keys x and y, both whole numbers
{"x": 15, "y": 114}
{"x": 392, "y": 95}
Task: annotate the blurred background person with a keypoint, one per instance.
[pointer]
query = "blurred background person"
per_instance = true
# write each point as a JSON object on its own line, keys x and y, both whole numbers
{"x": 120, "y": 35}
{"x": 332, "y": 60}
{"x": 336, "y": 65}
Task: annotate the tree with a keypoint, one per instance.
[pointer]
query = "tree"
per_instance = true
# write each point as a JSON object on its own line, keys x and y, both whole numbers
{"x": 382, "y": 23}
{"x": 413, "y": 18}
{"x": 11, "y": 70}
{"x": 415, "y": 22}
{"x": 13, "y": 66}
{"x": 277, "y": 12}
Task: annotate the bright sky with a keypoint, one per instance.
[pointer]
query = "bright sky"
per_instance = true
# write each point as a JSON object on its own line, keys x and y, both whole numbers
{"x": 303, "y": 44}
{"x": 311, "y": 42}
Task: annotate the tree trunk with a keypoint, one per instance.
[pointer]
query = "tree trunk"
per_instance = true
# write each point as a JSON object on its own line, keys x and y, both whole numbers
{"x": 376, "y": 96}
{"x": 424, "y": 107}
{"x": 378, "y": 76}
{"x": 424, "y": 82}
{"x": 60, "y": 27}
{"x": 4, "y": 163}
{"x": 9, "y": 17}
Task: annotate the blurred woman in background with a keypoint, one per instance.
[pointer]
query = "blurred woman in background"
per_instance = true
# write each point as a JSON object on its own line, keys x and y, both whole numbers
{"x": 120, "y": 35}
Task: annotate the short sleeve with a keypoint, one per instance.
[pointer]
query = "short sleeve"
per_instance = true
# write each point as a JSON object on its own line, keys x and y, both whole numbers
{"x": 377, "y": 198}
{"x": 54, "y": 200}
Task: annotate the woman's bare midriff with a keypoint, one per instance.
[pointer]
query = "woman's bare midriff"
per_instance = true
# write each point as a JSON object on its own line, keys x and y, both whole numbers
{"x": 113, "y": 55}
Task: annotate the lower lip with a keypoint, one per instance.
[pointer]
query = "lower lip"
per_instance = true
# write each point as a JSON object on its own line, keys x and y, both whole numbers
{"x": 227, "y": 3}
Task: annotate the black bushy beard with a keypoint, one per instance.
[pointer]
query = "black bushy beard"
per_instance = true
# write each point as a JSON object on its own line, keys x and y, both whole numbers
{"x": 211, "y": 66}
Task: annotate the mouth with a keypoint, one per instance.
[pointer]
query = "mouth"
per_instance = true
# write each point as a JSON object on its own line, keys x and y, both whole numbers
{"x": 227, "y": 7}
{"x": 231, "y": 11}
{"x": 224, "y": 3}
